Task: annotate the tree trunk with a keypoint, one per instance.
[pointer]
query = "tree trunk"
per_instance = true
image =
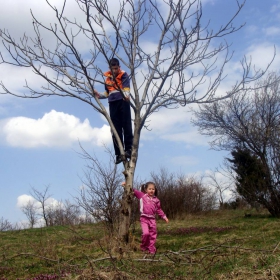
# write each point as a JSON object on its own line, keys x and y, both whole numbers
{"x": 125, "y": 211}
{"x": 127, "y": 198}
{"x": 125, "y": 214}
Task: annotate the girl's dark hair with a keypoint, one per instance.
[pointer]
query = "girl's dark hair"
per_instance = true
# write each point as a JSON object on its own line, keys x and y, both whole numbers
{"x": 145, "y": 186}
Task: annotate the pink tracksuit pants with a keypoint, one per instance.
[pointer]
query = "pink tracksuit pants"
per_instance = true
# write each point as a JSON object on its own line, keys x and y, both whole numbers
{"x": 149, "y": 234}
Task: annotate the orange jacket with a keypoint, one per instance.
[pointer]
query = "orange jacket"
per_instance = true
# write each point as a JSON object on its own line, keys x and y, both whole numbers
{"x": 114, "y": 85}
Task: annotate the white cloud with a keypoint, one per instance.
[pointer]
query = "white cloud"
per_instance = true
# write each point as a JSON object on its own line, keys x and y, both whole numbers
{"x": 174, "y": 126}
{"x": 16, "y": 82}
{"x": 191, "y": 137}
{"x": 3, "y": 110}
{"x": 184, "y": 161}
{"x": 167, "y": 119}
{"x": 275, "y": 8}
{"x": 54, "y": 129}
{"x": 17, "y": 19}
{"x": 24, "y": 199}
{"x": 251, "y": 30}
{"x": 271, "y": 31}
{"x": 262, "y": 54}
{"x": 212, "y": 2}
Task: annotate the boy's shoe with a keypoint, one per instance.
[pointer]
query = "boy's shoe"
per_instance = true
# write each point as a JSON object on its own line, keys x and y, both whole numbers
{"x": 128, "y": 154}
{"x": 118, "y": 159}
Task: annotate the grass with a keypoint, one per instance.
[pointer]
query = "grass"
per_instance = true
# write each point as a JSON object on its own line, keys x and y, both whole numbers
{"x": 216, "y": 245}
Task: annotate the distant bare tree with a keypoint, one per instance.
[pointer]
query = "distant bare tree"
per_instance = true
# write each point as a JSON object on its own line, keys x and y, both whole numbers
{"x": 180, "y": 194}
{"x": 100, "y": 194}
{"x": 221, "y": 185}
{"x": 86, "y": 218}
{"x": 63, "y": 213}
{"x": 5, "y": 225}
{"x": 30, "y": 211}
{"x": 184, "y": 63}
{"x": 42, "y": 197}
{"x": 71, "y": 213}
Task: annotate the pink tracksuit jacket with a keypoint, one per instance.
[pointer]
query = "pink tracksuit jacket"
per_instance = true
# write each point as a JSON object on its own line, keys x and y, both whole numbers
{"x": 149, "y": 207}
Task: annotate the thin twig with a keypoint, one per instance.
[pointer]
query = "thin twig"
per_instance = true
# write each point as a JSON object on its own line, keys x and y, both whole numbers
{"x": 32, "y": 255}
{"x": 103, "y": 259}
{"x": 276, "y": 247}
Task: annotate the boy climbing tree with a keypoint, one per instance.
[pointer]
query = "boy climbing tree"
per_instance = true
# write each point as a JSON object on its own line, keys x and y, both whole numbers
{"x": 117, "y": 90}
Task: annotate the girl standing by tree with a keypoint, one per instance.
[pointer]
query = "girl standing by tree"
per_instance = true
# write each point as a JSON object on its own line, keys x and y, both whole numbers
{"x": 149, "y": 207}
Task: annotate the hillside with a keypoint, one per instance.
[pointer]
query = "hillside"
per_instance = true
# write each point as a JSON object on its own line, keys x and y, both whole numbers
{"x": 216, "y": 245}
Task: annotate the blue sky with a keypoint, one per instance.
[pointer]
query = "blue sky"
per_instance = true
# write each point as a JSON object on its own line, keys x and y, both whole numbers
{"x": 39, "y": 138}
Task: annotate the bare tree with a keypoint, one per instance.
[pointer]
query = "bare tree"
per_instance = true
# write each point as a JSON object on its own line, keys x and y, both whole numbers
{"x": 5, "y": 225}
{"x": 185, "y": 65}
{"x": 42, "y": 197}
{"x": 63, "y": 213}
{"x": 30, "y": 211}
{"x": 221, "y": 182}
{"x": 100, "y": 194}
{"x": 71, "y": 213}
{"x": 247, "y": 124}
{"x": 181, "y": 194}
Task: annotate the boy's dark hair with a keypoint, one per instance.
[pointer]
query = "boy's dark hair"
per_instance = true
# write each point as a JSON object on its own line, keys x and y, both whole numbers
{"x": 114, "y": 62}
{"x": 145, "y": 186}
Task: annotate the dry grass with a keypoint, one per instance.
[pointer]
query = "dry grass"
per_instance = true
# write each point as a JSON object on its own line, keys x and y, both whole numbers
{"x": 217, "y": 245}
